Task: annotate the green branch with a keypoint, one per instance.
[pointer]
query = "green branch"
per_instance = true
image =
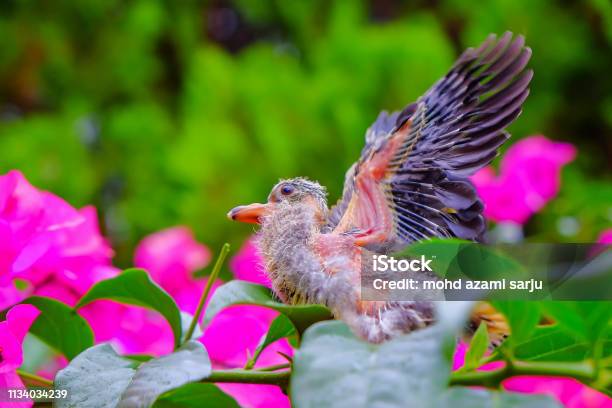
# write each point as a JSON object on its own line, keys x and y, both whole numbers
{"x": 581, "y": 371}
{"x": 211, "y": 279}
{"x": 274, "y": 367}
{"x": 249, "y": 377}
{"x": 265, "y": 375}
{"x": 34, "y": 379}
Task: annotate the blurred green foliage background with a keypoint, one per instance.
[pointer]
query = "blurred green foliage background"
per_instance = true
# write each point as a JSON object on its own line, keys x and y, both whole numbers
{"x": 172, "y": 112}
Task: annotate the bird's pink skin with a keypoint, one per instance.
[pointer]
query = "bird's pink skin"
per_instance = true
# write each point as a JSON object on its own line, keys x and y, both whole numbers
{"x": 369, "y": 209}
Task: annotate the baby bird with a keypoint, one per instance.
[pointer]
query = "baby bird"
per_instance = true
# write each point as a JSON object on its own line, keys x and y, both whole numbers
{"x": 410, "y": 184}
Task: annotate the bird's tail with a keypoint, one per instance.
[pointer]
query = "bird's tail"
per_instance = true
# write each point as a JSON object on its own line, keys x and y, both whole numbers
{"x": 497, "y": 325}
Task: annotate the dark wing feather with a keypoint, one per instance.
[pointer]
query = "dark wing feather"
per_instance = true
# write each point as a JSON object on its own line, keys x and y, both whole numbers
{"x": 455, "y": 129}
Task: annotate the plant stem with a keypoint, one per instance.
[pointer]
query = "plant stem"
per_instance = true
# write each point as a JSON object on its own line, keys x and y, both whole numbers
{"x": 249, "y": 377}
{"x": 211, "y": 279}
{"x": 265, "y": 375}
{"x": 274, "y": 367}
{"x": 580, "y": 371}
{"x": 34, "y": 379}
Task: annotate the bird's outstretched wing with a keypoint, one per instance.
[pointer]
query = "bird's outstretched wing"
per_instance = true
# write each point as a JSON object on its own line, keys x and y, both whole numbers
{"x": 410, "y": 182}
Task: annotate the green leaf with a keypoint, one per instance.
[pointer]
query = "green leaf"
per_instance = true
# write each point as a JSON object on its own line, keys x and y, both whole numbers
{"x": 135, "y": 287}
{"x": 244, "y": 293}
{"x": 335, "y": 369}
{"x": 441, "y": 252}
{"x": 38, "y": 353}
{"x": 99, "y": 377}
{"x": 477, "y": 262}
{"x": 478, "y": 347}
{"x": 279, "y": 328}
{"x": 568, "y": 316}
{"x": 585, "y": 319}
{"x": 556, "y": 343}
{"x": 522, "y": 316}
{"x": 588, "y": 322}
{"x": 454, "y": 259}
{"x": 196, "y": 395}
{"x": 551, "y": 343}
{"x": 95, "y": 378}
{"x": 60, "y": 327}
{"x": 189, "y": 363}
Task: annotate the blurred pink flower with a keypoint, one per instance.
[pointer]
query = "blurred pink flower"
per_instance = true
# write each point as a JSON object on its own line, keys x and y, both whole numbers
{"x": 571, "y": 393}
{"x": 605, "y": 237}
{"x": 9, "y": 295}
{"x": 171, "y": 256}
{"x": 529, "y": 177}
{"x": 142, "y": 331}
{"x": 256, "y": 396}
{"x": 234, "y": 334}
{"x": 52, "y": 366}
{"x": 232, "y": 337}
{"x": 502, "y": 196}
{"x": 188, "y": 297}
{"x": 248, "y": 265}
{"x": 12, "y": 332}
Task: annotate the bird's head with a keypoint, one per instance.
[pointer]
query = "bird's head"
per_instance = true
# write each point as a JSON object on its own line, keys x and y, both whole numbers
{"x": 296, "y": 191}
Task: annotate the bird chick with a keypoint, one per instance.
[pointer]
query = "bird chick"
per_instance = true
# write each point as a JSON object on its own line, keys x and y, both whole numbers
{"x": 411, "y": 183}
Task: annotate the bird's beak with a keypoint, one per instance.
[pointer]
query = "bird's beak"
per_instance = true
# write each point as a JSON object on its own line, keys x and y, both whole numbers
{"x": 248, "y": 213}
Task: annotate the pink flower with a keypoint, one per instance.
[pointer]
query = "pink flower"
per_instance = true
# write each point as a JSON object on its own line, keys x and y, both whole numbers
{"x": 529, "y": 177}
{"x": 132, "y": 329}
{"x": 248, "y": 265}
{"x": 48, "y": 243}
{"x": 21, "y": 208}
{"x": 171, "y": 256}
{"x": 12, "y": 332}
{"x": 55, "y": 249}
{"x": 143, "y": 331}
{"x": 571, "y": 393}
{"x": 502, "y": 197}
{"x": 59, "y": 252}
{"x": 234, "y": 334}
{"x": 232, "y": 337}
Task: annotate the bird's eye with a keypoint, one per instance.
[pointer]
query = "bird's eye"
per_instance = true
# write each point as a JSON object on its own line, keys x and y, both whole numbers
{"x": 287, "y": 189}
